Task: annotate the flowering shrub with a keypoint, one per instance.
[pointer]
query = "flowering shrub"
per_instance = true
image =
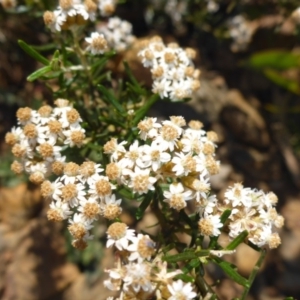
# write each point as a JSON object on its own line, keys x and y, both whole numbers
{"x": 96, "y": 150}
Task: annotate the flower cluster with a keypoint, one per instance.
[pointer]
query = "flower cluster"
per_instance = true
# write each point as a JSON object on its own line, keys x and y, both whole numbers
{"x": 40, "y": 137}
{"x": 118, "y": 34}
{"x": 254, "y": 211}
{"x": 241, "y": 33}
{"x": 81, "y": 195}
{"x": 138, "y": 275}
{"x": 173, "y": 73}
{"x": 76, "y": 12}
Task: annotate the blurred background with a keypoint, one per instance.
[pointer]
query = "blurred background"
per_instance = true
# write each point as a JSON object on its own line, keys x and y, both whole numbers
{"x": 249, "y": 56}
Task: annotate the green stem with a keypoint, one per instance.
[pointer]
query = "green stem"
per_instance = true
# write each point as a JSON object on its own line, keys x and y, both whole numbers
{"x": 254, "y": 273}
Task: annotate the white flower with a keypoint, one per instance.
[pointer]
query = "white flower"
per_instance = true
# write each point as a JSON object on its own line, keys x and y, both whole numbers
{"x": 89, "y": 209}
{"x": 141, "y": 181}
{"x": 132, "y": 156}
{"x": 73, "y": 193}
{"x": 153, "y": 157}
{"x": 209, "y": 225}
{"x": 80, "y": 226}
{"x": 119, "y": 235}
{"x": 185, "y": 164}
{"x": 62, "y": 208}
{"x": 142, "y": 247}
{"x": 97, "y": 43}
{"x": 238, "y": 195}
{"x": 114, "y": 149}
{"x": 148, "y": 128}
{"x": 162, "y": 87}
{"x": 138, "y": 277}
{"x": 167, "y": 138}
{"x": 177, "y": 196}
{"x": 117, "y": 33}
{"x": 181, "y": 290}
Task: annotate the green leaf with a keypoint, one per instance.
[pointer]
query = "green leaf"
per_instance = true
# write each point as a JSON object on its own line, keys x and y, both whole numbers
{"x": 126, "y": 193}
{"x": 141, "y": 112}
{"x": 231, "y": 272}
{"x": 143, "y": 206}
{"x": 185, "y": 278}
{"x": 33, "y": 53}
{"x": 275, "y": 59}
{"x": 137, "y": 87}
{"x": 193, "y": 264}
{"x": 39, "y": 73}
{"x": 109, "y": 98}
{"x": 238, "y": 240}
{"x": 278, "y": 78}
{"x": 186, "y": 256}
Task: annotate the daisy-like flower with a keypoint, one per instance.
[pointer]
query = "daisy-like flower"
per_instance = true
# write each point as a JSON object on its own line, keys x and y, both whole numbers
{"x": 75, "y": 136}
{"x": 52, "y": 189}
{"x": 200, "y": 186}
{"x": 110, "y": 207}
{"x": 138, "y": 277}
{"x": 167, "y": 138}
{"x": 89, "y": 172}
{"x": 209, "y": 225}
{"x": 181, "y": 290}
{"x": 185, "y": 164}
{"x": 132, "y": 156}
{"x": 238, "y": 195}
{"x": 79, "y": 227}
{"x": 49, "y": 151}
{"x": 58, "y": 211}
{"x": 148, "y": 128}
{"x": 141, "y": 181}
{"x": 26, "y": 115}
{"x": 71, "y": 172}
{"x": 114, "y": 149}
{"x": 14, "y": 136}
{"x": 97, "y": 43}
{"x": 101, "y": 187}
{"x": 107, "y": 7}
{"x": 177, "y": 196}
{"x": 153, "y": 157}
{"x": 89, "y": 209}
{"x": 73, "y": 193}
{"x": 164, "y": 275}
{"x": 206, "y": 205}
{"x": 142, "y": 247}
{"x": 119, "y": 235}
{"x": 39, "y": 172}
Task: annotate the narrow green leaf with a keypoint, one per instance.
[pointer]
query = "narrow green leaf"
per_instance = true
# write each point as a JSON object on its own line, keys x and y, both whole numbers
{"x": 109, "y": 98}
{"x": 186, "y": 256}
{"x": 136, "y": 84}
{"x": 225, "y": 215}
{"x": 37, "y": 74}
{"x": 193, "y": 264}
{"x": 143, "y": 206}
{"x": 229, "y": 269}
{"x": 185, "y": 278}
{"x": 238, "y": 240}
{"x": 291, "y": 85}
{"x": 126, "y": 193}
{"x": 141, "y": 112}
{"x": 33, "y": 53}
{"x": 275, "y": 59}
